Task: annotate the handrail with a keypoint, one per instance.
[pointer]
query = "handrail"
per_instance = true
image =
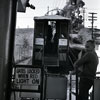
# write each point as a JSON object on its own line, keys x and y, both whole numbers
{"x": 19, "y": 61}
{"x": 74, "y": 93}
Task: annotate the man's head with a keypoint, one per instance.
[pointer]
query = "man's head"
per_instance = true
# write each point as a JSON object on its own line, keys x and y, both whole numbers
{"x": 90, "y": 45}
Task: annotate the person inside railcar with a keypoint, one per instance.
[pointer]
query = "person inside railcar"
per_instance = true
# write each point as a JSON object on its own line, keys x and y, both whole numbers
{"x": 48, "y": 40}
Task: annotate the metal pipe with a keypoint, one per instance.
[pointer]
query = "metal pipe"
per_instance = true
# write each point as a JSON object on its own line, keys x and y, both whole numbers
{"x": 70, "y": 90}
{"x": 76, "y": 83}
{"x": 11, "y": 39}
{"x": 7, "y": 26}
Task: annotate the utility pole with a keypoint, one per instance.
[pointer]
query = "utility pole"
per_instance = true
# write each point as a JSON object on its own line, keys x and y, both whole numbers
{"x": 92, "y": 18}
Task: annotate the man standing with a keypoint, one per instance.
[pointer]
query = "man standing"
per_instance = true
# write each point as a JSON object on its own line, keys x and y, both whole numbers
{"x": 89, "y": 62}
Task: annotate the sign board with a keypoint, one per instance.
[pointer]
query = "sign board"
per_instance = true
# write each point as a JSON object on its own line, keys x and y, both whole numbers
{"x": 62, "y": 42}
{"x": 39, "y": 41}
{"x": 27, "y": 76}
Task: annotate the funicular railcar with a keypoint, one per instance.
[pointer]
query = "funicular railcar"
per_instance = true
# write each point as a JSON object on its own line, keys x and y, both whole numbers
{"x": 51, "y": 40}
{"x": 51, "y": 44}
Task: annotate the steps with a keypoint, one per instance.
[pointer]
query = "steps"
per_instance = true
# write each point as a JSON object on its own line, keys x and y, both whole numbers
{"x": 51, "y": 61}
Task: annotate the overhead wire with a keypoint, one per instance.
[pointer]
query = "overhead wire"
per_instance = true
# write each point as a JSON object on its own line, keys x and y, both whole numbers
{"x": 43, "y": 2}
{"x": 62, "y": 3}
{"x": 59, "y": 3}
{"x": 51, "y": 4}
{"x": 55, "y": 4}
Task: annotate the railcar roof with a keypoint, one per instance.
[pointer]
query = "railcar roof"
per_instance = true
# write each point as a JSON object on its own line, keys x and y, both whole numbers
{"x": 51, "y": 17}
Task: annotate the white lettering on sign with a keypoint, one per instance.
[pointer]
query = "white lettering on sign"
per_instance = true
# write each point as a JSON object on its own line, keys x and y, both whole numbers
{"x": 28, "y": 76}
{"x": 22, "y": 81}
{"x": 21, "y": 70}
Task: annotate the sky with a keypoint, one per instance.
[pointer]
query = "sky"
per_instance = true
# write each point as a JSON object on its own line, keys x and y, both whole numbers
{"x": 92, "y": 6}
{"x": 25, "y": 20}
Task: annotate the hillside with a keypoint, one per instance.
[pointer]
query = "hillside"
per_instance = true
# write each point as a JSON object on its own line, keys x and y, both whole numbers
{"x": 78, "y": 40}
{"x": 23, "y": 43}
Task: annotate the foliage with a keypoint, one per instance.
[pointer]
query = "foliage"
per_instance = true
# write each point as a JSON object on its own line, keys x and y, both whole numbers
{"x": 73, "y": 10}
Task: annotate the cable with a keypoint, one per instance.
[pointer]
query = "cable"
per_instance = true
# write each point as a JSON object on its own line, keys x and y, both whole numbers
{"x": 59, "y": 3}
{"x": 62, "y": 4}
{"x": 56, "y": 3}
